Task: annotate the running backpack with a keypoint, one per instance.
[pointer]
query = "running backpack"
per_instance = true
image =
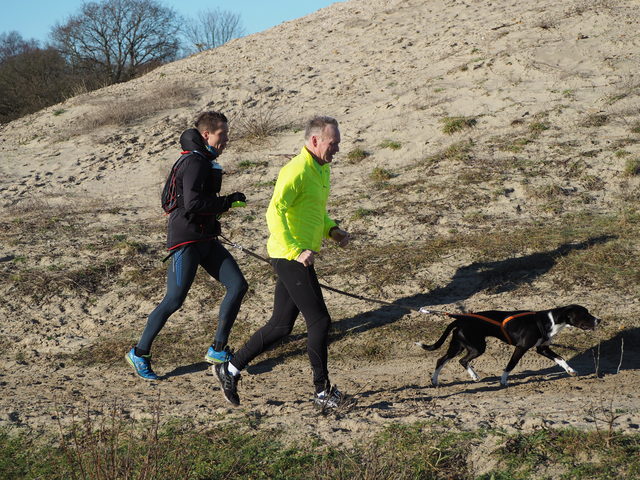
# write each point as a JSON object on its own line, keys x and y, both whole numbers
{"x": 170, "y": 191}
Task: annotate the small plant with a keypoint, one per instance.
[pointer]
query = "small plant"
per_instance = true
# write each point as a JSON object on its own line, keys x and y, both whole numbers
{"x": 595, "y": 120}
{"x": 391, "y": 144}
{"x": 452, "y": 125}
{"x": 459, "y": 151}
{"x": 247, "y": 164}
{"x": 362, "y": 213}
{"x": 537, "y": 127}
{"x": 266, "y": 183}
{"x": 60, "y": 111}
{"x": 592, "y": 182}
{"x": 381, "y": 174}
{"x": 516, "y": 145}
{"x": 632, "y": 167}
{"x": 357, "y": 155}
{"x": 635, "y": 128}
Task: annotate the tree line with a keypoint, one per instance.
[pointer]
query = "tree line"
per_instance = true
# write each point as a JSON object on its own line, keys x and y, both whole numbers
{"x": 105, "y": 42}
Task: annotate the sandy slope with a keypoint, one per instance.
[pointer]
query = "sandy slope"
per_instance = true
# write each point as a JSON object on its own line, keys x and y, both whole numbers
{"x": 75, "y": 196}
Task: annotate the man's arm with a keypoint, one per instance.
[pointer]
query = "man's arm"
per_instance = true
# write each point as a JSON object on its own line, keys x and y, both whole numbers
{"x": 285, "y": 193}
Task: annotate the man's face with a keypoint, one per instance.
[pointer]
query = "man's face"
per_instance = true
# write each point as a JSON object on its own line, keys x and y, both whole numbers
{"x": 325, "y": 145}
{"x": 217, "y": 139}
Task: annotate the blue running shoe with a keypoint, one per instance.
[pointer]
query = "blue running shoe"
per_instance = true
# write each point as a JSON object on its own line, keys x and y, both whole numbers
{"x": 142, "y": 365}
{"x": 215, "y": 356}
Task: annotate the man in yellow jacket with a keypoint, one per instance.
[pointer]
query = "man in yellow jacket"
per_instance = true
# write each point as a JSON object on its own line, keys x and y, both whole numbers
{"x": 298, "y": 222}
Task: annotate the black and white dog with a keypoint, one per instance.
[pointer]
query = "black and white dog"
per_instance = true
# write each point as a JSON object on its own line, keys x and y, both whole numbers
{"x": 521, "y": 329}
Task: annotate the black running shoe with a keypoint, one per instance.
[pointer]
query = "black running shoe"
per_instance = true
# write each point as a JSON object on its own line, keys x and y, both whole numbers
{"x": 228, "y": 383}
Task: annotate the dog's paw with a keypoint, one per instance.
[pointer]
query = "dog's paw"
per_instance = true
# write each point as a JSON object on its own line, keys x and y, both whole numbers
{"x": 572, "y": 372}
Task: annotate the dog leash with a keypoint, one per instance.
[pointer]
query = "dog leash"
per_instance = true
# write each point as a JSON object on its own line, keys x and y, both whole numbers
{"x": 424, "y": 310}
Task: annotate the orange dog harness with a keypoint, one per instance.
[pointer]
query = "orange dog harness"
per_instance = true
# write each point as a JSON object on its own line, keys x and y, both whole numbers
{"x": 502, "y": 324}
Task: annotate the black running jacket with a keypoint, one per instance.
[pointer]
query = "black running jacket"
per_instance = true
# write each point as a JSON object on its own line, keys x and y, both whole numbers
{"x": 198, "y": 187}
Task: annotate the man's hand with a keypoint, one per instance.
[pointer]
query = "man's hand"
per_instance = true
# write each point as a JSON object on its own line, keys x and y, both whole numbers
{"x": 340, "y": 236}
{"x": 306, "y": 258}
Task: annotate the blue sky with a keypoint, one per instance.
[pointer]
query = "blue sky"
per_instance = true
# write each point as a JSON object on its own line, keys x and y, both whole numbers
{"x": 34, "y": 18}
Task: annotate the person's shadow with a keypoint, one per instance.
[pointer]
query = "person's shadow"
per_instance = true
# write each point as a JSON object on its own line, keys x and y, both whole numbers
{"x": 497, "y": 276}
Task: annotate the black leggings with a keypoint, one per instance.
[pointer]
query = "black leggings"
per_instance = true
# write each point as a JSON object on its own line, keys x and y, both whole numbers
{"x": 297, "y": 291}
{"x": 218, "y": 263}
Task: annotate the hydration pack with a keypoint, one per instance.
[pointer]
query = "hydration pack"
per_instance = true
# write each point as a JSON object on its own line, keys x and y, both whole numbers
{"x": 170, "y": 196}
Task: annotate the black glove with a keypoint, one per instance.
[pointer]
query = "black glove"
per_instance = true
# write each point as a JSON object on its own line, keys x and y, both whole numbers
{"x": 236, "y": 197}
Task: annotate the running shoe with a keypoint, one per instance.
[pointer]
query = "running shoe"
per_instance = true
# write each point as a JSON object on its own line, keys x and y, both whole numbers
{"x": 142, "y": 365}
{"x": 332, "y": 398}
{"x": 215, "y": 356}
{"x": 228, "y": 382}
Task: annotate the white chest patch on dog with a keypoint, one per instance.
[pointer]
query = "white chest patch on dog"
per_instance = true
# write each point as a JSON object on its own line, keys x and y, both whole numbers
{"x": 555, "y": 327}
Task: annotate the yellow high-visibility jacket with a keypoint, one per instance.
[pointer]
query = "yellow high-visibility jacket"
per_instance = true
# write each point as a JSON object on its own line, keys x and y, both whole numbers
{"x": 297, "y": 215}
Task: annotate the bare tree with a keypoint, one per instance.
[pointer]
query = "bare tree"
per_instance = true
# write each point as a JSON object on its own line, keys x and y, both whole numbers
{"x": 12, "y": 44}
{"x": 118, "y": 38}
{"x": 213, "y": 28}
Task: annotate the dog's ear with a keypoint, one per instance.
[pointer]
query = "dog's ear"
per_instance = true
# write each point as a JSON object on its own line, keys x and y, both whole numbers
{"x": 569, "y": 313}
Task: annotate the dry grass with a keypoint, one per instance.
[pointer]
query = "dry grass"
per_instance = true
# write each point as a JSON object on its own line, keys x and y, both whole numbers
{"x": 259, "y": 123}
{"x": 457, "y": 152}
{"x": 130, "y": 111}
{"x": 595, "y": 120}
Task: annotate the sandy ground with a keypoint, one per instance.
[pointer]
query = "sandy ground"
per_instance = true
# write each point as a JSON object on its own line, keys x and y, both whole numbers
{"x": 552, "y": 88}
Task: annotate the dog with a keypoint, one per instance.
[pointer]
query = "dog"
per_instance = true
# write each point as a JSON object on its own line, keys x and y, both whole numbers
{"x": 522, "y": 329}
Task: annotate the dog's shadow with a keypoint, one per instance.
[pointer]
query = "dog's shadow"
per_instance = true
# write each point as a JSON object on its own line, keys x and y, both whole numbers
{"x": 610, "y": 356}
{"x": 499, "y": 276}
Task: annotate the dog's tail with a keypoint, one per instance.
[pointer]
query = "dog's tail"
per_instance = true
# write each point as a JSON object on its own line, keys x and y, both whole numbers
{"x": 442, "y": 338}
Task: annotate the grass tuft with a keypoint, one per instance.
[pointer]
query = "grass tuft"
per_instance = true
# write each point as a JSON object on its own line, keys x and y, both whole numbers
{"x": 632, "y": 167}
{"x": 595, "y": 120}
{"x": 357, "y": 155}
{"x": 380, "y": 174}
{"x": 391, "y": 144}
{"x": 453, "y": 125}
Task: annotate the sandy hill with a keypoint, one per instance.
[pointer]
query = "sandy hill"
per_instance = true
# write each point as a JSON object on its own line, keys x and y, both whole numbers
{"x": 489, "y": 160}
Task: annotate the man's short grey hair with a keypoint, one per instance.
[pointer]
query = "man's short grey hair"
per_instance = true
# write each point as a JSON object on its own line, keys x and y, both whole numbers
{"x": 316, "y": 125}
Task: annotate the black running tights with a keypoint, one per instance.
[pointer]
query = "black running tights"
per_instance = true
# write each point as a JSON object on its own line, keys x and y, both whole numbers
{"x": 297, "y": 291}
{"x": 218, "y": 263}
